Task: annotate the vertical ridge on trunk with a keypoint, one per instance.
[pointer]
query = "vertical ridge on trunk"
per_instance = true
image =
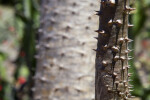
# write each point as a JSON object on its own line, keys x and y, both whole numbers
{"x": 112, "y": 77}
{"x": 65, "y": 65}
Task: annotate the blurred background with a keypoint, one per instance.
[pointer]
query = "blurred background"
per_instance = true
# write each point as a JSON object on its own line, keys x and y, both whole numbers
{"x": 19, "y": 21}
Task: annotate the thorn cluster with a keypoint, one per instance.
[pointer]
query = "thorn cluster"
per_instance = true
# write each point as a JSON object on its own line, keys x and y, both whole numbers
{"x": 120, "y": 78}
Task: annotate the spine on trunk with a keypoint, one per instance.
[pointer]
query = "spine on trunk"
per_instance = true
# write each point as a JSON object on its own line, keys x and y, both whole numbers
{"x": 112, "y": 76}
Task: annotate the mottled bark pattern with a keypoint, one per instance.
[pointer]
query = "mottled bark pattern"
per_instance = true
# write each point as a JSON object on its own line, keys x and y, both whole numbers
{"x": 65, "y": 60}
{"x": 112, "y": 77}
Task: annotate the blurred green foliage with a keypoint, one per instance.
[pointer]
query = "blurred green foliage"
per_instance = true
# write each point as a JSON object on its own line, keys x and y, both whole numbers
{"x": 25, "y": 24}
{"x": 140, "y": 30}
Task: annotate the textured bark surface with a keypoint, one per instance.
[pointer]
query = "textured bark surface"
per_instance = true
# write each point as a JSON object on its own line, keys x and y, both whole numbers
{"x": 111, "y": 78}
{"x": 65, "y": 60}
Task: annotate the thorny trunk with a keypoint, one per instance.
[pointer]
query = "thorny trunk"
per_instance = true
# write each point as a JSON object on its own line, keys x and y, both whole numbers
{"x": 65, "y": 61}
{"x": 112, "y": 77}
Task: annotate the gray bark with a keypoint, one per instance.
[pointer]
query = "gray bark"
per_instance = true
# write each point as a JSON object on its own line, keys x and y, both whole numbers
{"x": 112, "y": 77}
{"x": 65, "y": 60}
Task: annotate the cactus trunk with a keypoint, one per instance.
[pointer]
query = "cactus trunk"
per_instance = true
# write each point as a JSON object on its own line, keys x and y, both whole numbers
{"x": 65, "y": 60}
{"x": 112, "y": 77}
